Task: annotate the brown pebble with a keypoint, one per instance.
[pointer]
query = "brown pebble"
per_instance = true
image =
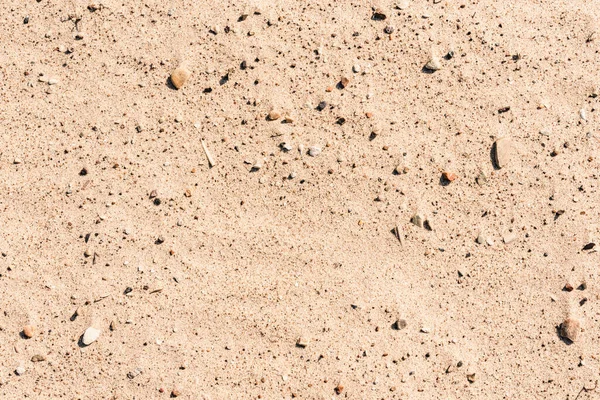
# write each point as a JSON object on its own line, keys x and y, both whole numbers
{"x": 344, "y": 82}
{"x": 38, "y": 358}
{"x": 273, "y": 116}
{"x": 449, "y": 176}
{"x": 570, "y": 329}
{"x": 369, "y": 114}
{"x": 188, "y": 193}
{"x": 568, "y": 287}
{"x": 28, "y": 331}
{"x": 180, "y": 76}
{"x": 175, "y": 392}
{"x": 339, "y": 388}
{"x": 329, "y": 89}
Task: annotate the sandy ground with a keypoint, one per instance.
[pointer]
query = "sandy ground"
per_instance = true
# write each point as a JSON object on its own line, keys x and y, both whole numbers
{"x": 202, "y": 280}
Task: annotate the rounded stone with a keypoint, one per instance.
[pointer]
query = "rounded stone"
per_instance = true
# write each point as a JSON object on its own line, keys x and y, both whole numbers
{"x": 90, "y": 335}
{"x": 180, "y": 76}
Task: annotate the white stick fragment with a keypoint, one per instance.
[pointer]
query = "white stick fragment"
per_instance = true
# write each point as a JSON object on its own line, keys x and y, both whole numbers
{"x": 211, "y": 161}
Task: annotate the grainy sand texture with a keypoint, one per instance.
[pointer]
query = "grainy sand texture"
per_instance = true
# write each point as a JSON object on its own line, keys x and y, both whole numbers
{"x": 299, "y": 199}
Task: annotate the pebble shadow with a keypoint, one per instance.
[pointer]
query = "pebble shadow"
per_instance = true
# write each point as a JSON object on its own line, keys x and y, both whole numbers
{"x": 493, "y": 157}
{"x": 170, "y": 84}
{"x": 563, "y": 339}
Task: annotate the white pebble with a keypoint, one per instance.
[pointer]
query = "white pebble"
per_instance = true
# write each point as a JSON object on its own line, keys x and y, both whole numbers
{"x": 90, "y": 335}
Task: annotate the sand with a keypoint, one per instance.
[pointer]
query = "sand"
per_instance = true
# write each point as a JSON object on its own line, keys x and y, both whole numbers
{"x": 274, "y": 273}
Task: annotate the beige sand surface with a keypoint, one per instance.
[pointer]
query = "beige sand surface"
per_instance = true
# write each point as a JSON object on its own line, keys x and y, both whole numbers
{"x": 203, "y": 288}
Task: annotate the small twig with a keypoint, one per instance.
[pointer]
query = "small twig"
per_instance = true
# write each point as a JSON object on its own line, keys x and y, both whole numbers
{"x": 590, "y": 37}
{"x": 584, "y": 389}
{"x": 211, "y": 161}
{"x": 399, "y": 234}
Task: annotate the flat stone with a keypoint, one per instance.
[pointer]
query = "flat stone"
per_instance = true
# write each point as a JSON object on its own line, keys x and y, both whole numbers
{"x": 38, "y": 358}
{"x": 180, "y": 76}
{"x": 502, "y": 152}
{"x": 90, "y": 335}
{"x": 570, "y": 329}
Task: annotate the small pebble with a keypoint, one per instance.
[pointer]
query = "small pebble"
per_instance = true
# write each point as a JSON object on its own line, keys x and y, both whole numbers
{"x": 28, "y": 331}
{"x": 302, "y": 342}
{"x": 176, "y": 392}
{"x": 400, "y": 324}
{"x": 344, "y": 82}
{"x": 38, "y": 358}
{"x": 314, "y": 151}
{"x": 402, "y": 4}
{"x": 356, "y": 68}
{"x": 502, "y": 152}
{"x": 434, "y": 64}
{"x": 568, "y": 287}
{"x": 418, "y": 220}
{"x": 180, "y": 76}
{"x": 90, "y": 335}
{"x": 20, "y": 370}
{"x": 273, "y": 116}
{"x": 379, "y": 15}
{"x": 134, "y": 373}
{"x": 449, "y": 176}
{"x": 570, "y": 329}
{"x": 389, "y": 29}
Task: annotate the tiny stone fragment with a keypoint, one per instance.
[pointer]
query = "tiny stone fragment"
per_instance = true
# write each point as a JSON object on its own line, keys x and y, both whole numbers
{"x": 180, "y": 76}
{"x": 38, "y": 358}
{"x": 471, "y": 378}
{"x": 20, "y": 371}
{"x": 389, "y": 29}
{"x": 134, "y": 373}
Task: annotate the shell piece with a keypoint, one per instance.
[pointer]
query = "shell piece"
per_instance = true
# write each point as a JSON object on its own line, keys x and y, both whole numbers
{"x": 180, "y": 76}
{"x": 90, "y": 335}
